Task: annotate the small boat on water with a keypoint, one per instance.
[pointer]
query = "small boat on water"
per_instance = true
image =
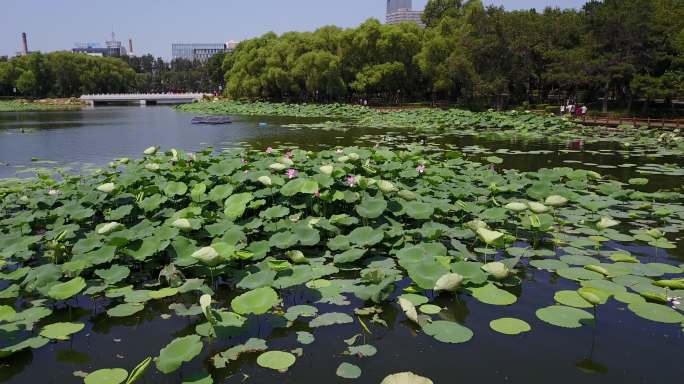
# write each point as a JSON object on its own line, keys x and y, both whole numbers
{"x": 214, "y": 120}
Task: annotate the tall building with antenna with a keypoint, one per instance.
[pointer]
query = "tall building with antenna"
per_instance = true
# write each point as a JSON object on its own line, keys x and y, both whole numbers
{"x": 112, "y": 48}
{"x": 401, "y": 11}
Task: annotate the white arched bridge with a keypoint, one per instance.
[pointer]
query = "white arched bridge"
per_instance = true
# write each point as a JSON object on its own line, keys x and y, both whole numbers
{"x": 143, "y": 98}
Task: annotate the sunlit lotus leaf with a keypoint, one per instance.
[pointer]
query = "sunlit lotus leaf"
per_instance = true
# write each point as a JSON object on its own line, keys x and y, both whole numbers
{"x": 33, "y": 343}
{"x": 265, "y": 180}
{"x": 409, "y": 309}
{"x": 571, "y": 299}
{"x": 448, "y": 332}
{"x": 656, "y": 312}
{"x": 372, "y": 207}
{"x": 114, "y": 274}
{"x": 537, "y": 207}
{"x": 330, "y": 318}
{"x": 471, "y": 271}
{"x": 257, "y": 301}
{"x": 236, "y": 205}
{"x": 179, "y": 351}
{"x": 488, "y": 236}
{"x": 276, "y": 360}
{"x": 296, "y": 311}
{"x": 7, "y": 313}
{"x": 125, "y": 310}
{"x": 497, "y": 269}
{"x": 257, "y": 280}
{"x": 416, "y": 300}
{"x": 348, "y": 371}
{"x": 555, "y": 201}
{"x": 516, "y": 206}
{"x": 108, "y": 228}
{"x": 510, "y": 326}
{"x": 670, "y": 284}
{"x": 366, "y": 236}
{"x": 638, "y": 181}
{"x": 61, "y": 331}
{"x": 578, "y": 274}
{"x": 162, "y": 293}
{"x": 449, "y": 282}
{"x": 565, "y": 317}
{"x": 365, "y": 350}
{"x": 426, "y": 273}
{"x": 386, "y": 186}
{"x": 629, "y": 298}
{"x": 66, "y": 290}
{"x": 606, "y": 222}
{"x": 150, "y": 151}
{"x": 594, "y": 296}
{"x": 326, "y": 169}
{"x": 175, "y": 188}
{"x": 106, "y": 188}
{"x": 490, "y": 294}
{"x": 405, "y": 378}
{"x": 107, "y": 376}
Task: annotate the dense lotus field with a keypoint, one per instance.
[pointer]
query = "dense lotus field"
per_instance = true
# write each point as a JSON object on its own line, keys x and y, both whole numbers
{"x": 22, "y": 106}
{"x": 491, "y": 124}
{"x": 403, "y": 226}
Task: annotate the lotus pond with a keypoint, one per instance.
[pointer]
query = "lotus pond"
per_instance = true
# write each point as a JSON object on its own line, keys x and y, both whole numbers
{"x": 456, "y": 259}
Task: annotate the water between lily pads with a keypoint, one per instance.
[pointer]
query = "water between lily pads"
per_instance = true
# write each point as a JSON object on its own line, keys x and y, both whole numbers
{"x": 622, "y": 348}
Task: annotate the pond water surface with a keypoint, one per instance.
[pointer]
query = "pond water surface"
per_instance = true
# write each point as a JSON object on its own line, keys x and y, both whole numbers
{"x": 621, "y": 348}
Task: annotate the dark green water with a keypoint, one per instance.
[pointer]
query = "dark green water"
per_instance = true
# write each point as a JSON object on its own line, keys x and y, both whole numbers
{"x": 622, "y": 348}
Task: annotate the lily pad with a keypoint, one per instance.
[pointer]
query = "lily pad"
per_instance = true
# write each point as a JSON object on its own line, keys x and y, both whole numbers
{"x": 257, "y": 301}
{"x": 448, "y": 332}
{"x": 656, "y": 312}
{"x": 510, "y": 326}
{"x": 179, "y": 351}
{"x": 348, "y": 371}
{"x": 490, "y": 294}
{"x": 61, "y": 331}
{"x": 276, "y": 360}
{"x": 107, "y": 376}
{"x": 562, "y": 316}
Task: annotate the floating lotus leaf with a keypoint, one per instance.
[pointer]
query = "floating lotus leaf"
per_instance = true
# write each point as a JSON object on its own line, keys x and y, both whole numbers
{"x": 488, "y": 236}
{"x": 257, "y": 301}
{"x": 366, "y": 236}
{"x": 164, "y": 292}
{"x": 276, "y": 360}
{"x": 174, "y": 188}
{"x": 471, "y": 271}
{"x": 490, "y": 294}
{"x": 430, "y": 309}
{"x": 350, "y": 256}
{"x": 107, "y": 376}
{"x": 33, "y": 343}
{"x": 371, "y": 208}
{"x": 231, "y": 354}
{"x": 426, "y": 273}
{"x": 365, "y": 350}
{"x": 61, "y": 331}
{"x": 305, "y": 338}
{"x": 656, "y": 312}
{"x": 510, "y": 326}
{"x": 179, "y": 351}
{"x": 257, "y": 280}
{"x": 565, "y": 317}
{"x": 348, "y": 371}
{"x": 670, "y": 284}
{"x": 125, "y": 310}
{"x": 418, "y": 210}
{"x": 416, "y": 300}
{"x": 405, "y": 378}
{"x": 578, "y": 274}
{"x": 150, "y": 151}
{"x": 265, "y": 180}
{"x": 327, "y": 169}
{"x": 638, "y": 181}
{"x": 606, "y": 222}
{"x": 236, "y": 205}
{"x": 594, "y": 296}
{"x": 448, "y": 332}
{"x": 114, "y": 274}
{"x": 571, "y": 299}
{"x": 330, "y": 318}
{"x": 449, "y": 282}
{"x": 67, "y": 290}
{"x": 296, "y": 311}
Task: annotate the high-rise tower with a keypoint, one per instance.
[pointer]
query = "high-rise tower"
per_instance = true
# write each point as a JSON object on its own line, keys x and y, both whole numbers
{"x": 395, "y": 5}
{"x": 401, "y": 11}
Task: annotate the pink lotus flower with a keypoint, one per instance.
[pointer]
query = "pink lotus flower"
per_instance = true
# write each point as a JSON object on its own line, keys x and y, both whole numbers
{"x": 317, "y": 194}
{"x": 288, "y": 154}
{"x": 269, "y": 150}
{"x": 243, "y": 161}
{"x": 420, "y": 168}
{"x": 292, "y": 173}
{"x": 351, "y": 181}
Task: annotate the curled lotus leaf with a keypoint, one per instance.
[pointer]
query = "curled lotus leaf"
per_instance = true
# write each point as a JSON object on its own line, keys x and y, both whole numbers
{"x": 497, "y": 269}
{"x": 406, "y": 378}
{"x": 150, "y": 151}
{"x": 276, "y": 360}
{"x": 606, "y": 222}
{"x": 108, "y": 228}
{"x": 107, "y": 376}
{"x": 488, "y": 236}
{"x": 449, "y": 282}
{"x": 68, "y": 289}
{"x": 409, "y": 309}
{"x": 139, "y": 370}
{"x": 265, "y": 180}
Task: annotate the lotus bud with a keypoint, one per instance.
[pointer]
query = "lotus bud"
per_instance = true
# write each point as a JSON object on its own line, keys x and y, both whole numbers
{"x": 106, "y": 188}
{"x": 497, "y": 269}
{"x": 555, "y": 200}
{"x": 112, "y": 164}
{"x": 343, "y": 159}
{"x": 326, "y": 169}
{"x": 183, "y": 225}
{"x": 208, "y": 256}
{"x": 655, "y": 233}
{"x": 516, "y": 206}
{"x": 151, "y": 151}
{"x": 354, "y": 156}
{"x": 53, "y": 192}
{"x": 537, "y": 207}
{"x": 124, "y": 160}
{"x": 265, "y": 180}
{"x": 108, "y": 228}
{"x": 192, "y": 156}
{"x": 297, "y": 257}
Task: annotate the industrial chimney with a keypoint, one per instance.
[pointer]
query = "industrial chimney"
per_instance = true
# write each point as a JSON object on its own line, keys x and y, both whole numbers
{"x": 130, "y": 47}
{"x": 24, "y": 44}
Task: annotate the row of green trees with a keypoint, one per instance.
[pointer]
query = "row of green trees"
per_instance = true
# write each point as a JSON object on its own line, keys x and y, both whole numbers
{"x": 156, "y": 75}
{"x": 63, "y": 74}
{"x": 623, "y": 51}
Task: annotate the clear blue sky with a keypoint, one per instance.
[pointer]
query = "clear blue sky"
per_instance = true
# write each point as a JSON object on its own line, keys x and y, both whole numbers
{"x": 154, "y": 24}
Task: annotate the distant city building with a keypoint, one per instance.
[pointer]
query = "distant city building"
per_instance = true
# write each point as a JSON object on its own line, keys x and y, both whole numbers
{"x": 200, "y": 52}
{"x": 112, "y": 48}
{"x": 401, "y": 11}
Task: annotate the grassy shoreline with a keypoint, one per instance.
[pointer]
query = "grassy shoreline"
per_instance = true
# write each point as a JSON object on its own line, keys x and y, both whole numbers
{"x": 42, "y": 105}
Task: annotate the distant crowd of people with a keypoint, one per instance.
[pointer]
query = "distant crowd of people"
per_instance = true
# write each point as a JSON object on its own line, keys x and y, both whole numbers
{"x": 573, "y": 110}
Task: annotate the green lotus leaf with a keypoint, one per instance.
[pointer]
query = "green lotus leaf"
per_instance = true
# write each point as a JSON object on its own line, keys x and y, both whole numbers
{"x": 638, "y": 181}
{"x": 593, "y": 295}
{"x": 257, "y": 280}
{"x": 571, "y": 299}
{"x": 348, "y": 371}
{"x": 606, "y": 222}
{"x": 578, "y": 274}
{"x": 231, "y": 354}
{"x": 537, "y": 207}
{"x": 510, "y": 326}
{"x": 516, "y": 206}
{"x": 114, "y": 274}
{"x": 350, "y": 256}
{"x": 448, "y": 332}
{"x": 418, "y": 210}
{"x": 330, "y": 318}
{"x": 305, "y": 338}
{"x": 656, "y": 312}
{"x": 276, "y": 360}
{"x": 150, "y": 151}
{"x": 179, "y": 351}
{"x": 497, "y": 269}
{"x": 327, "y": 169}
{"x": 490, "y": 294}
{"x": 365, "y": 350}
{"x": 471, "y": 271}
{"x": 416, "y": 300}
{"x": 108, "y": 228}
{"x": 555, "y": 201}
{"x": 236, "y": 205}
{"x": 107, "y": 376}
{"x": 565, "y": 317}
{"x": 162, "y": 293}
{"x": 139, "y": 371}
{"x": 33, "y": 343}
{"x": 488, "y": 236}
{"x": 426, "y": 273}
{"x": 67, "y": 290}
{"x": 430, "y": 309}
{"x": 405, "y": 378}
{"x": 61, "y": 331}
{"x": 257, "y": 301}
{"x": 125, "y": 310}
{"x": 366, "y": 236}
{"x": 7, "y": 313}
{"x": 296, "y": 311}
{"x": 371, "y": 207}
{"x": 265, "y": 180}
